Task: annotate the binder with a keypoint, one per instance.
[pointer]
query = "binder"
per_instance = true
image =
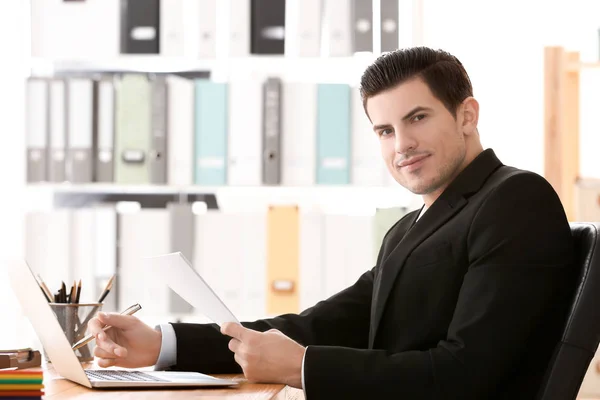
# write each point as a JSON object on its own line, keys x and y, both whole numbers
{"x": 238, "y": 40}
{"x": 267, "y": 26}
{"x": 211, "y": 133}
{"x": 105, "y": 255}
{"x": 368, "y": 168}
{"x": 312, "y": 268}
{"x": 333, "y": 134}
{"x": 140, "y": 26}
{"x": 245, "y": 133}
{"x": 74, "y": 29}
{"x": 157, "y": 157}
{"x": 37, "y": 129}
{"x": 282, "y": 260}
{"x": 182, "y": 240}
{"x": 82, "y": 250}
{"x": 132, "y": 133}
{"x": 252, "y": 228}
{"x": 272, "y": 102}
{"x": 389, "y": 14}
{"x": 215, "y": 262}
{"x": 143, "y": 234}
{"x": 207, "y": 24}
{"x": 339, "y": 30}
{"x": 299, "y": 134}
{"x": 172, "y": 32}
{"x": 362, "y": 22}
{"x": 360, "y": 255}
{"x": 80, "y": 129}
{"x": 180, "y": 138}
{"x": 303, "y": 28}
{"x": 58, "y": 131}
{"x": 104, "y": 130}
{"x": 47, "y": 238}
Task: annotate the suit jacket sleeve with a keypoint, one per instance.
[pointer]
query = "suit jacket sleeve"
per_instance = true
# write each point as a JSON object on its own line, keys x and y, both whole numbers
{"x": 202, "y": 348}
{"x": 519, "y": 248}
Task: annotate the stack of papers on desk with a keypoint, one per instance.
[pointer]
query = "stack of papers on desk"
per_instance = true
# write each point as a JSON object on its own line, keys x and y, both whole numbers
{"x": 24, "y": 384}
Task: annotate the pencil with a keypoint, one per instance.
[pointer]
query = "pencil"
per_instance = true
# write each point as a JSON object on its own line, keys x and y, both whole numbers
{"x": 45, "y": 288}
{"x": 63, "y": 287}
{"x": 107, "y": 289}
{"x": 78, "y": 292}
{"x": 72, "y": 293}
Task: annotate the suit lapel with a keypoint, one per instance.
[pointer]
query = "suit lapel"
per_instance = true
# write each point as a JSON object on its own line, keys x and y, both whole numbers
{"x": 436, "y": 216}
{"x": 452, "y": 200}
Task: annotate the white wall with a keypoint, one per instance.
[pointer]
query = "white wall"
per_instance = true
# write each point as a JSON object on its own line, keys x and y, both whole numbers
{"x": 501, "y": 45}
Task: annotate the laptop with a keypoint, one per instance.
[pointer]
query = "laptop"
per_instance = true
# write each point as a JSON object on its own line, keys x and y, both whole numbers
{"x": 65, "y": 362}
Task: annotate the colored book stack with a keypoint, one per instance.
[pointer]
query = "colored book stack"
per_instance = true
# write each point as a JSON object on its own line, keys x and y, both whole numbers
{"x": 21, "y": 384}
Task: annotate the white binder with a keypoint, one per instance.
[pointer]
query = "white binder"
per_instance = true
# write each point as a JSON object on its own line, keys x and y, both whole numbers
{"x": 180, "y": 120}
{"x": 312, "y": 267}
{"x": 348, "y": 249}
{"x": 368, "y": 168}
{"x": 252, "y": 228}
{"x": 75, "y": 29}
{"x": 303, "y": 28}
{"x": 82, "y": 251}
{"x": 339, "y": 30}
{"x": 47, "y": 238}
{"x": 37, "y": 129}
{"x": 245, "y": 133}
{"x": 238, "y": 43}
{"x": 105, "y": 130}
{"x": 299, "y": 130}
{"x": 215, "y": 261}
{"x": 58, "y": 131}
{"x": 80, "y": 130}
{"x": 172, "y": 32}
{"x": 105, "y": 254}
{"x": 143, "y": 234}
{"x": 207, "y": 29}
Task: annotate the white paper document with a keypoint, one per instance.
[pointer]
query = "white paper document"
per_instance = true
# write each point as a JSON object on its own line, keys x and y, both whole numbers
{"x": 178, "y": 273}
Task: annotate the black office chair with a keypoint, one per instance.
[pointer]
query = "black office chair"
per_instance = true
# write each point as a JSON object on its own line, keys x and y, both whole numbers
{"x": 580, "y": 337}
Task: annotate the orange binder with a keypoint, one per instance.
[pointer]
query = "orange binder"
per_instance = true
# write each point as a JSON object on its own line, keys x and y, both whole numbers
{"x": 282, "y": 260}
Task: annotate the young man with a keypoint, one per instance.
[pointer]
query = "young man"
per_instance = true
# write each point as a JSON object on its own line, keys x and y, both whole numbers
{"x": 468, "y": 295}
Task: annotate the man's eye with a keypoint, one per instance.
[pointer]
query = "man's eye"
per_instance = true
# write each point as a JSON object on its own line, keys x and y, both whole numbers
{"x": 385, "y": 132}
{"x": 419, "y": 117}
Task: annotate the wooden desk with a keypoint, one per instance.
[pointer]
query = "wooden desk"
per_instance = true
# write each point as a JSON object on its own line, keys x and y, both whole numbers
{"x": 58, "y": 388}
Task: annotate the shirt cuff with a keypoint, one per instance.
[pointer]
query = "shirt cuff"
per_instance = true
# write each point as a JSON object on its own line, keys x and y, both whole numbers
{"x": 168, "y": 348}
{"x": 303, "y": 358}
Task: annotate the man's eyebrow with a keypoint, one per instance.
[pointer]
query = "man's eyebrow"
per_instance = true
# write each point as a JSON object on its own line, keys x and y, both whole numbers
{"x": 411, "y": 113}
{"x": 383, "y": 126}
{"x": 414, "y": 111}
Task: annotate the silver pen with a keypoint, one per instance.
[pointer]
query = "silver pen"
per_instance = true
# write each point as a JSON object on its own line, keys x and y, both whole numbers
{"x": 130, "y": 311}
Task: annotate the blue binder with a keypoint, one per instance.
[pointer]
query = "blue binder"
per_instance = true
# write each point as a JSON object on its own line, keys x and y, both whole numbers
{"x": 210, "y": 128}
{"x": 333, "y": 134}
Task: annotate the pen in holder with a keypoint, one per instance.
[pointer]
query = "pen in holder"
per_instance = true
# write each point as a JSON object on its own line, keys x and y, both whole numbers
{"x": 73, "y": 319}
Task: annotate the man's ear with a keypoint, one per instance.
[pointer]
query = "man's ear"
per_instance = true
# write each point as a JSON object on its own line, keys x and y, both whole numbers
{"x": 470, "y": 115}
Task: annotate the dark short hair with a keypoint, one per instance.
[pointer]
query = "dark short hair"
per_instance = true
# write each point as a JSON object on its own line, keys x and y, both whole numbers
{"x": 442, "y": 72}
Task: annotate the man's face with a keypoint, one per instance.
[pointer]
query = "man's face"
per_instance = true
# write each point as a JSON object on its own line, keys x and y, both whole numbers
{"x": 421, "y": 143}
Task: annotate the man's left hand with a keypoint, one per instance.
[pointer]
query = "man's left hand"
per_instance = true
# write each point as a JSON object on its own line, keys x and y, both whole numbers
{"x": 267, "y": 357}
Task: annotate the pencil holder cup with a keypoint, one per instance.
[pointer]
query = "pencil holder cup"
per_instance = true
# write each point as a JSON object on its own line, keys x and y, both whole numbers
{"x": 73, "y": 319}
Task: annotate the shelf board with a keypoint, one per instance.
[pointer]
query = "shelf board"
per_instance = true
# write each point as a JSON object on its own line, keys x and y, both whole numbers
{"x": 298, "y": 68}
{"x": 342, "y": 196}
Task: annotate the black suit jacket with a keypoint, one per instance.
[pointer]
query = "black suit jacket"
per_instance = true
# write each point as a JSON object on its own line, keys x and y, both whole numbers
{"x": 465, "y": 303}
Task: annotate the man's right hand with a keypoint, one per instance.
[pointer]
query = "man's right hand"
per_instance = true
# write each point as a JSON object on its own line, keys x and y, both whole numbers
{"x": 129, "y": 343}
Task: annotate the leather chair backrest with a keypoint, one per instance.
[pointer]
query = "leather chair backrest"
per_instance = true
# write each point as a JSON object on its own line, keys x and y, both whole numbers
{"x": 581, "y": 334}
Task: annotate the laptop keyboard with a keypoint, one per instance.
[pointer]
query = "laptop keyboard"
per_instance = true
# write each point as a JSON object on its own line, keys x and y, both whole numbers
{"x": 125, "y": 376}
